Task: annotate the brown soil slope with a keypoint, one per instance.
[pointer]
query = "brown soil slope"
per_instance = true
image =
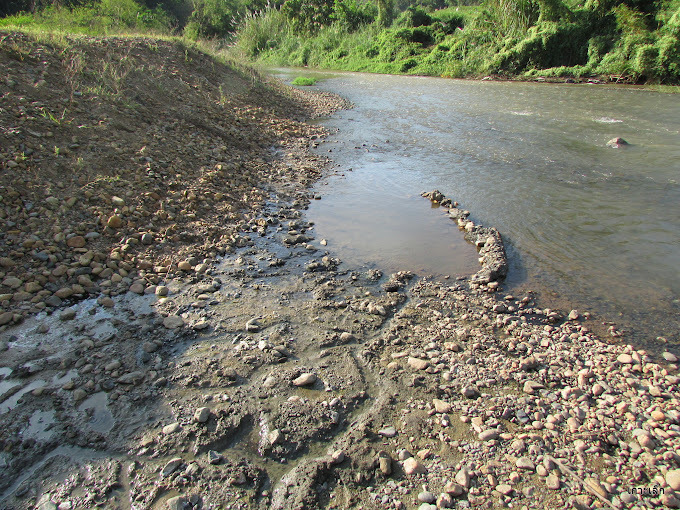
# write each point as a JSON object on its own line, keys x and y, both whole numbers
{"x": 125, "y": 155}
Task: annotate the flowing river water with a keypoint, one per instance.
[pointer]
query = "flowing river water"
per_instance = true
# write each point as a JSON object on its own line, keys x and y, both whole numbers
{"x": 585, "y": 225}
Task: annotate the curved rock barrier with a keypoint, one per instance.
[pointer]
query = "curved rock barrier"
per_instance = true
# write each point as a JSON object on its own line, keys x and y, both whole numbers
{"x": 488, "y": 241}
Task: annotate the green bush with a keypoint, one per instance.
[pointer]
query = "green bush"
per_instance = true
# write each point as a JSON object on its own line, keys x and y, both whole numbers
{"x": 350, "y": 15}
{"x": 302, "y": 81}
{"x": 260, "y": 32}
{"x": 100, "y": 18}
{"x": 308, "y": 16}
{"x": 414, "y": 16}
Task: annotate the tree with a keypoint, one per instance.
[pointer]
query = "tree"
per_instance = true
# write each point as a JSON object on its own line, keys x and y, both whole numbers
{"x": 385, "y": 12}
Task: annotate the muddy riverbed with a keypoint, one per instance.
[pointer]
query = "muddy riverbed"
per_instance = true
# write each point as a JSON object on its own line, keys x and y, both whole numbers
{"x": 273, "y": 377}
{"x": 260, "y": 372}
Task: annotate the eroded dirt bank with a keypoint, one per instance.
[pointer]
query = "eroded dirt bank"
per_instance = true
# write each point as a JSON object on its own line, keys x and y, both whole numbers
{"x": 234, "y": 362}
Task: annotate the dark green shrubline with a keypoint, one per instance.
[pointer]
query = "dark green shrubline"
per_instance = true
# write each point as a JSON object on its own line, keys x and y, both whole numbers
{"x": 628, "y": 41}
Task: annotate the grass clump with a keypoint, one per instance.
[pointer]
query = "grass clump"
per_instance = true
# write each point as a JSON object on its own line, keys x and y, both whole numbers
{"x": 303, "y": 81}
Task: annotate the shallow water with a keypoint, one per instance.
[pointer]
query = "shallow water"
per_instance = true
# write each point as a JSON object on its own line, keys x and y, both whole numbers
{"x": 589, "y": 226}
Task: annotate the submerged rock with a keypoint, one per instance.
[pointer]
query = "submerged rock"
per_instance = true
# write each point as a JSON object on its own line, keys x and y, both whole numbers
{"x": 616, "y": 143}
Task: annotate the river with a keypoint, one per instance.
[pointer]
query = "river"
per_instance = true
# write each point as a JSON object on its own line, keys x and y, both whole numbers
{"x": 585, "y": 225}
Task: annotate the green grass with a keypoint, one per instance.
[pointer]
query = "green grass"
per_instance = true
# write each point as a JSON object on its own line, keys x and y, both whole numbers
{"x": 302, "y": 81}
{"x": 106, "y": 17}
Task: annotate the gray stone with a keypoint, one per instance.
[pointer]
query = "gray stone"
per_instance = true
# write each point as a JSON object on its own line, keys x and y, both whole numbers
{"x": 173, "y": 322}
{"x": 68, "y": 314}
{"x": 172, "y": 428}
{"x": 470, "y": 392}
{"x": 171, "y": 466}
{"x": 305, "y": 379}
{"x": 131, "y": 378}
{"x": 177, "y": 503}
{"x": 525, "y": 463}
{"x": 202, "y": 414}
{"x": 488, "y": 435}
{"x": 388, "y": 432}
{"x": 215, "y": 457}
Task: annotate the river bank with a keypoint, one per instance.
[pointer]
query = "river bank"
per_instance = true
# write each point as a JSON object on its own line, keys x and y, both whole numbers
{"x": 257, "y": 371}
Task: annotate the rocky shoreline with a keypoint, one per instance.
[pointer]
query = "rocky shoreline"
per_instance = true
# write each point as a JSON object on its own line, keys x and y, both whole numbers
{"x": 253, "y": 370}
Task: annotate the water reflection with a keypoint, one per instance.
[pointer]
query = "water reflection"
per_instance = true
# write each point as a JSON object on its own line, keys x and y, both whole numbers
{"x": 596, "y": 227}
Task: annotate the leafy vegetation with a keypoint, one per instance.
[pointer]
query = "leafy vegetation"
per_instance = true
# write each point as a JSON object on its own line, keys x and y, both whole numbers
{"x": 619, "y": 40}
{"x": 626, "y": 41}
{"x": 302, "y": 81}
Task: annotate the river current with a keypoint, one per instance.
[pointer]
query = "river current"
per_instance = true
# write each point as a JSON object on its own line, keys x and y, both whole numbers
{"x": 585, "y": 225}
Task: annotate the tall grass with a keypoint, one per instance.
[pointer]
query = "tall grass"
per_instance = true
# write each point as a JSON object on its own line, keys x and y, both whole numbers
{"x": 107, "y": 17}
{"x": 260, "y": 32}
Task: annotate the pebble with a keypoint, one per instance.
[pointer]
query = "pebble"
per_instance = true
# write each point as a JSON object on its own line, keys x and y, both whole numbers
{"x": 305, "y": 379}
{"x": 171, "y": 428}
{"x": 385, "y": 464}
{"x": 488, "y": 435}
{"x": 137, "y": 288}
{"x": 106, "y": 302}
{"x": 531, "y": 387}
{"x": 114, "y": 222}
{"x": 337, "y": 457}
{"x": 76, "y": 242}
{"x": 202, "y": 414}
{"x": 463, "y": 477}
{"x": 413, "y": 466}
{"x": 670, "y": 357}
{"x": 625, "y": 359}
{"x": 253, "y": 326}
{"x": 171, "y": 466}
{"x": 673, "y": 479}
{"x": 6, "y": 318}
{"x": 454, "y": 489}
{"x": 149, "y": 347}
{"x": 346, "y": 337}
{"x": 525, "y": 463}
{"x": 440, "y": 406}
{"x": 552, "y": 482}
{"x": 177, "y": 503}
{"x": 426, "y": 497}
{"x": 214, "y": 457}
{"x": 504, "y": 489}
{"x": 173, "y": 322}
{"x": 417, "y": 363}
{"x": 388, "y": 432}
{"x": 68, "y": 314}
{"x": 470, "y": 392}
